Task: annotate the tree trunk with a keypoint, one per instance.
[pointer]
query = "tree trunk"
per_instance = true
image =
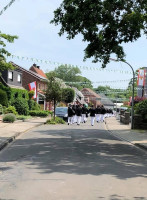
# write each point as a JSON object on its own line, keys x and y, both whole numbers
{"x": 54, "y": 107}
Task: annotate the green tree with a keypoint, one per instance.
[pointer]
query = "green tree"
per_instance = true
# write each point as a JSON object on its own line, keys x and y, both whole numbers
{"x": 105, "y": 25}
{"x": 3, "y": 52}
{"x": 71, "y": 75}
{"x": 68, "y": 95}
{"x": 54, "y": 91}
{"x": 67, "y": 72}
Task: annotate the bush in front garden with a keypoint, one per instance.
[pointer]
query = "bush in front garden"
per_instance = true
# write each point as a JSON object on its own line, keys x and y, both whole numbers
{"x": 9, "y": 118}
{"x": 38, "y": 113}
{"x": 3, "y": 98}
{"x": 31, "y": 94}
{"x": 21, "y": 106}
{"x": 33, "y": 105}
{"x": 141, "y": 108}
{"x": 11, "y": 109}
{"x": 57, "y": 120}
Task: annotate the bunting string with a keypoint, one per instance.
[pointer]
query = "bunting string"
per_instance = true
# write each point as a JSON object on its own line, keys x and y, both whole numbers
{"x": 7, "y": 6}
{"x": 56, "y": 64}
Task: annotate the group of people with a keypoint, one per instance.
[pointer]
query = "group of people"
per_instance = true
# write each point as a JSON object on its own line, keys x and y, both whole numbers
{"x": 79, "y": 114}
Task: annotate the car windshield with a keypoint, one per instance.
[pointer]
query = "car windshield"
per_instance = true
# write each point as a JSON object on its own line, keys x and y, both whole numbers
{"x": 61, "y": 110}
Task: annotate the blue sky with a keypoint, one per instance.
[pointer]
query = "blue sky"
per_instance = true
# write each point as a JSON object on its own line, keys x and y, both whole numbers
{"x": 30, "y": 20}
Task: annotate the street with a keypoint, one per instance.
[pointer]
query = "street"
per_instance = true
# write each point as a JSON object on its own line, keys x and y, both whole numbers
{"x": 61, "y": 162}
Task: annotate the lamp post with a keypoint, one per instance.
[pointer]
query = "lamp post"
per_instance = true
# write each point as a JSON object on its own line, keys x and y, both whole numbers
{"x": 132, "y": 110}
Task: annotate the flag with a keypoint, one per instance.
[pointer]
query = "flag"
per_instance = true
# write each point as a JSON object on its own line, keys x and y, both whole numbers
{"x": 141, "y": 77}
{"x": 32, "y": 86}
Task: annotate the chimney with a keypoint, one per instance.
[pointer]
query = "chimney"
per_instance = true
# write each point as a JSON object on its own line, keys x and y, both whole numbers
{"x": 38, "y": 67}
{"x": 34, "y": 65}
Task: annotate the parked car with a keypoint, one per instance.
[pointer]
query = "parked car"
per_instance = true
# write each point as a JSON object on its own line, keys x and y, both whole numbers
{"x": 62, "y": 112}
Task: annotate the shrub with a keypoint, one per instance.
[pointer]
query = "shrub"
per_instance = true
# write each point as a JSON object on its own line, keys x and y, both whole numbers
{"x": 1, "y": 109}
{"x": 33, "y": 105}
{"x": 10, "y": 118}
{"x": 3, "y": 98}
{"x": 11, "y": 109}
{"x": 21, "y": 106}
{"x": 6, "y": 89}
{"x": 31, "y": 94}
{"x": 38, "y": 113}
{"x": 57, "y": 120}
{"x": 141, "y": 108}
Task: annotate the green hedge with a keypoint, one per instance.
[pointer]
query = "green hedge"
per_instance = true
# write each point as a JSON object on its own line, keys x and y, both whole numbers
{"x": 21, "y": 106}
{"x": 7, "y": 90}
{"x": 3, "y": 98}
{"x": 33, "y": 105}
{"x": 38, "y": 113}
{"x": 141, "y": 108}
{"x": 18, "y": 94}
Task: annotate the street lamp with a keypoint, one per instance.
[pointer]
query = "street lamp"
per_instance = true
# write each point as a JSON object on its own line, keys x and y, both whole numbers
{"x": 132, "y": 111}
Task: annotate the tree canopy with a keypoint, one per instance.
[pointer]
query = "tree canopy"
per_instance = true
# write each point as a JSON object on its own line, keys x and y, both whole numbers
{"x": 3, "y": 52}
{"x": 104, "y": 24}
{"x": 68, "y": 95}
{"x": 67, "y": 73}
{"x": 71, "y": 75}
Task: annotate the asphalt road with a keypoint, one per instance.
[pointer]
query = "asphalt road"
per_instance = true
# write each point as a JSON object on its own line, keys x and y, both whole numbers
{"x": 72, "y": 163}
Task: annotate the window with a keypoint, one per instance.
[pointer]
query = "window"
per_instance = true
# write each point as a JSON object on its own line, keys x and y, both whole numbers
{"x": 19, "y": 78}
{"x": 10, "y": 75}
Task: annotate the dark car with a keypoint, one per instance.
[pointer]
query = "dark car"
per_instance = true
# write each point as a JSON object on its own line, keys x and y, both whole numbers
{"x": 62, "y": 112}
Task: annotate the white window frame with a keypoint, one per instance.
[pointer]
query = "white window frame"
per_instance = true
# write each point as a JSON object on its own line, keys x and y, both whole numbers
{"x": 19, "y": 78}
{"x": 10, "y": 75}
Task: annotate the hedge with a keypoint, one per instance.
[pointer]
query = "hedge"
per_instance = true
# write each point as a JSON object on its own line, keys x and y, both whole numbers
{"x": 3, "y": 98}
{"x": 21, "y": 106}
{"x": 38, "y": 113}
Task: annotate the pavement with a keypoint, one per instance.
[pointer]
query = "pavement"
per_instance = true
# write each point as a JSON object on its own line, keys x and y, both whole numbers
{"x": 124, "y": 132}
{"x": 10, "y": 131}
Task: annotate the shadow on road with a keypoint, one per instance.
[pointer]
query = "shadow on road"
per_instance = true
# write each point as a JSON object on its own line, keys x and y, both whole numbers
{"x": 78, "y": 151}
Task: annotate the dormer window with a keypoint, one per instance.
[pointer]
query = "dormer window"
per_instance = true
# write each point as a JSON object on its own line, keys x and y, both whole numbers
{"x": 10, "y": 75}
{"x": 19, "y": 78}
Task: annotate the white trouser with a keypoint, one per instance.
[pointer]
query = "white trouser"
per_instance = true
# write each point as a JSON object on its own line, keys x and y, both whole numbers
{"x": 98, "y": 117}
{"x": 92, "y": 120}
{"x": 83, "y": 119}
{"x": 74, "y": 119}
{"x": 70, "y": 120}
{"x": 78, "y": 119}
{"x": 102, "y": 117}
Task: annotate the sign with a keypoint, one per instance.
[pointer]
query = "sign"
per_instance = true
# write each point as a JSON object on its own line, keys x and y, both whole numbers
{"x": 141, "y": 77}
{"x": 32, "y": 86}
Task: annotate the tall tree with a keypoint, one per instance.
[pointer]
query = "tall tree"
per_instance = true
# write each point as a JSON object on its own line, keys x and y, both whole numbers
{"x": 54, "y": 91}
{"x": 71, "y": 75}
{"x": 3, "y": 52}
{"x": 104, "y": 24}
{"x": 67, "y": 72}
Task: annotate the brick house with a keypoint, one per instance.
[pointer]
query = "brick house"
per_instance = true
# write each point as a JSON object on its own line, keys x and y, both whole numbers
{"x": 35, "y": 74}
{"x": 91, "y": 97}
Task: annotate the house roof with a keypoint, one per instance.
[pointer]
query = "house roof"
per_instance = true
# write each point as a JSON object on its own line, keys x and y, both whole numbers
{"x": 89, "y": 92}
{"x": 38, "y": 71}
{"x": 105, "y": 100}
{"x": 30, "y": 72}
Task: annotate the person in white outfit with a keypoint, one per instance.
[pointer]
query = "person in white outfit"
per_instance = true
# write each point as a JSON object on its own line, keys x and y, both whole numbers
{"x": 79, "y": 114}
{"x": 98, "y": 113}
{"x": 92, "y": 114}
